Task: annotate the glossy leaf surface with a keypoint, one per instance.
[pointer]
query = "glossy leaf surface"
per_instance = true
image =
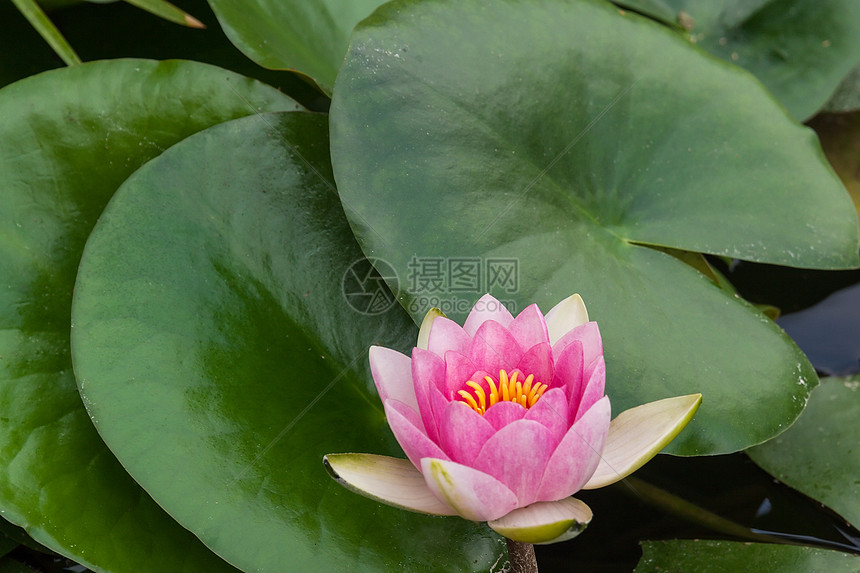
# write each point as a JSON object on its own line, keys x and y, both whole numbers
{"x": 800, "y": 49}
{"x": 820, "y": 454}
{"x": 309, "y": 36}
{"x": 566, "y": 169}
{"x": 69, "y": 138}
{"x": 702, "y": 556}
{"x": 221, "y": 360}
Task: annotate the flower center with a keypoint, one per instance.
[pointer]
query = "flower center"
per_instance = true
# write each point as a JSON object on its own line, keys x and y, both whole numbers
{"x": 510, "y": 389}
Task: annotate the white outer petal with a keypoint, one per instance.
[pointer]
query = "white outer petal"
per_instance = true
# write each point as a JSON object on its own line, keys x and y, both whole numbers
{"x": 392, "y": 481}
{"x": 638, "y": 434}
{"x": 544, "y": 521}
{"x": 565, "y": 316}
{"x": 426, "y": 324}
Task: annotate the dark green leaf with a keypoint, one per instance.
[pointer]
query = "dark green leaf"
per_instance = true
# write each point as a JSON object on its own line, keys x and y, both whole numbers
{"x": 555, "y": 134}
{"x": 800, "y": 49}
{"x": 308, "y": 36}
{"x": 69, "y": 138}
{"x": 221, "y": 359}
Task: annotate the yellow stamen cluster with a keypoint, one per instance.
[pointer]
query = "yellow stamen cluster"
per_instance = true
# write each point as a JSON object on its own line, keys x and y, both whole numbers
{"x": 509, "y": 390}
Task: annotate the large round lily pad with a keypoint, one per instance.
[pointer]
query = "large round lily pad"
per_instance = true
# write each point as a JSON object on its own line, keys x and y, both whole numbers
{"x": 70, "y": 137}
{"x": 221, "y": 354}
{"x": 554, "y": 140}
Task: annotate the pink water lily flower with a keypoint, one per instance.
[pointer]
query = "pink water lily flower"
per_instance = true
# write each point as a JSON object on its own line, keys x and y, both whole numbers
{"x": 503, "y": 419}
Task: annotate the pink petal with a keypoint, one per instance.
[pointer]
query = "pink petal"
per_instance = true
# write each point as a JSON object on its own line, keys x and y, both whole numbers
{"x": 503, "y": 413}
{"x": 529, "y": 327}
{"x": 463, "y": 432}
{"x": 458, "y": 370}
{"x": 447, "y": 335}
{"x": 438, "y": 403}
{"x": 568, "y": 372}
{"x": 578, "y": 454}
{"x": 487, "y": 308}
{"x": 471, "y": 493}
{"x": 410, "y": 434}
{"x": 552, "y": 411}
{"x": 493, "y": 348}
{"x": 589, "y": 335}
{"x": 517, "y": 455}
{"x": 538, "y": 361}
{"x": 428, "y": 372}
{"x": 392, "y": 373}
{"x": 594, "y": 388}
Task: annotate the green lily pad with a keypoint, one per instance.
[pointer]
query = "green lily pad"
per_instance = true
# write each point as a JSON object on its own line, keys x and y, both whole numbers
{"x": 702, "y": 556}
{"x": 308, "y": 36}
{"x": 221, "y": 354}
{"x": 800, "y": 49}
{"x": 465, "y": 143}
{"x": 70, "y": 137}
{"x": 820, "y": 454}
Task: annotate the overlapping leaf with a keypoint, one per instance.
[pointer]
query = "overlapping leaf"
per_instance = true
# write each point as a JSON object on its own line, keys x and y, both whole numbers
{"x": 800, "y": 49}
{"x": 309, "y": 36}
{"x": 558, "y": 138}
{"x": 67, "y": 140}
{"x": 818, "y": 455}
{"x": 222, "y": 353}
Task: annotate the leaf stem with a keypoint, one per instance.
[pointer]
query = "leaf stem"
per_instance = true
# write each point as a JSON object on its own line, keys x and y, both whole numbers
{"x": 682, "y": 508}
{"x": 39, "y": 20}
{"x": 522, "y": 557}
